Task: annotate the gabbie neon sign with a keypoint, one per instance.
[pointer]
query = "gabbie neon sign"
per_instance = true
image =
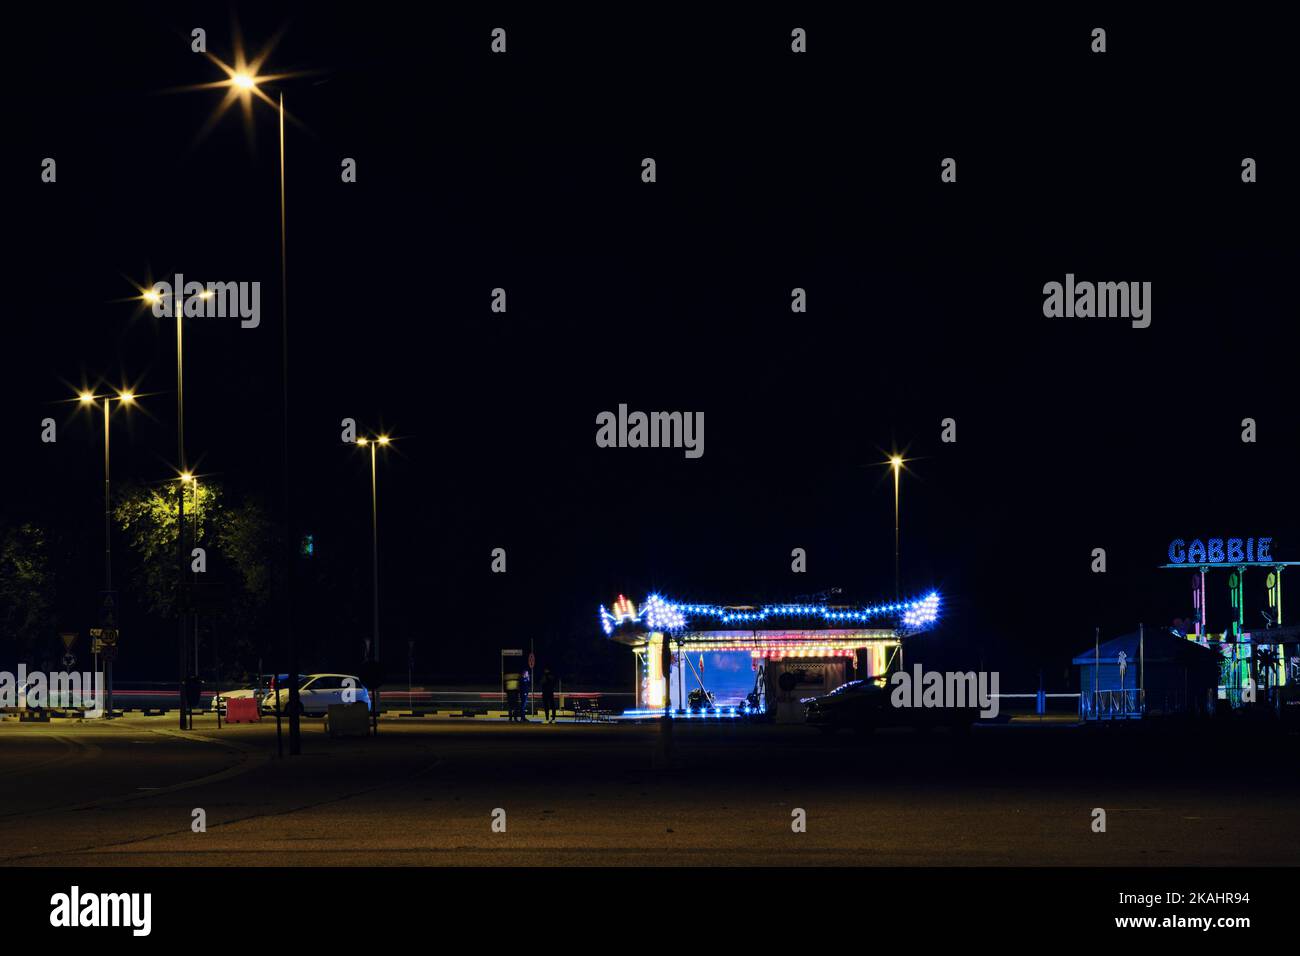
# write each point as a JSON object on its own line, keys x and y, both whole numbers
{"x": 1220, "y": 551}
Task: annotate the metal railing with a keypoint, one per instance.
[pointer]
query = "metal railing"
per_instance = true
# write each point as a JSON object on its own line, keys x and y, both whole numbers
{"x": 1111, "y": 704}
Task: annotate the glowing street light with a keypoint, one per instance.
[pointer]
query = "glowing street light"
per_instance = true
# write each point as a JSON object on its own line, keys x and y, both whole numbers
{"x": 153, "y": 297}
{"x": 372, "y": 444}
{"x": 244, "y": 81}
{"x": 87, "y": 398}
{"x": 896, "y": 464}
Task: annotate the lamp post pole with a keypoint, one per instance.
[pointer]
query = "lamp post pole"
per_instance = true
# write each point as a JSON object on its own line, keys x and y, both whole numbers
{"x": 108, "y": 538}
{"x": 180, "y": 515}
{"x": 88, "y": 399}
{"x": 896, "y": 463}
{"x": 295, "y": 739}
{"x": 897, "y": 563}
{"x": 108, "y": 554}
{"x": 371, "y": 442}
{"x": 194, "y": 579}
{"x": 374, "y": 541}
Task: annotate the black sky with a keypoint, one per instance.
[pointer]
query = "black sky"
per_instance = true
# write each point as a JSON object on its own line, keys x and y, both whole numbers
{"x": 775, "y": 171}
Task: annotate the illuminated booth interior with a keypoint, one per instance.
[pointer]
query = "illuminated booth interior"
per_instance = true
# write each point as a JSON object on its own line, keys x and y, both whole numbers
{"x": 1258, "y": 650}
{"x": 705, "y": 660}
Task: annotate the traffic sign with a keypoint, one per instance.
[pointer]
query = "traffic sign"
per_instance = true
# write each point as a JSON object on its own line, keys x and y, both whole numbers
{"x": 532, "y": 662}
{"x": 69, "y": 638}
{"x": 108, "y": 608}
{"x": 69, "y": 660}
{"x": 107, "y": 635}
{"x": 512, "y": 652}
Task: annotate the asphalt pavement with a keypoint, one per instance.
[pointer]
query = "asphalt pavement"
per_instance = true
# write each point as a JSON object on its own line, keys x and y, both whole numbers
{"x": 479, "y": 792}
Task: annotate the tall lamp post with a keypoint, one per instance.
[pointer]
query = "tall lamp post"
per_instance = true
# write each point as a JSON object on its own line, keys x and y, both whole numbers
{"x": 896, "y": 463}
{"x": 243, "y": 83}
{"x": 127, "y": 398}
{"x": 154, "y": 297}
{"x": 372, "y": 444}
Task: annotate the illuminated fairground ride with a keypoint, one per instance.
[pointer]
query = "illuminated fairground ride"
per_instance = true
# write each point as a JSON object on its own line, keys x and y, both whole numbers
{"x": 1261, "y": 661}
{"x": 706, "y": 660}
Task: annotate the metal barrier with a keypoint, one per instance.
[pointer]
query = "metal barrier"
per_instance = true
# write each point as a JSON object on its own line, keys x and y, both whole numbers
{"x": 1041, "y": 704}
{"x": 1112, "y": 704}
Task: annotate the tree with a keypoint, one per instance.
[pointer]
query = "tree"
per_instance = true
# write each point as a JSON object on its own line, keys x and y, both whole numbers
{"x": 239, "y": 542}
{"x": 148, "y": 517}
{"x": 26, "y": 587}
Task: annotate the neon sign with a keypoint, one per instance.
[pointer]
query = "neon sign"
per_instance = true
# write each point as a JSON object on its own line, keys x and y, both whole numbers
{"x": 658, "y": 614}
{"x": 1220, "y": 551}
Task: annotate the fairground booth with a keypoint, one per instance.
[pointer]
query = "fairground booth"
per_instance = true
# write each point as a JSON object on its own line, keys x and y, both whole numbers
{"x": 727, "y": 661}
{"x": 1258, "y": 655}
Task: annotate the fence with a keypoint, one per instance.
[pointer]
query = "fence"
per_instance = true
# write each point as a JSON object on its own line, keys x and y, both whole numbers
{"x": 1112, "y": 704}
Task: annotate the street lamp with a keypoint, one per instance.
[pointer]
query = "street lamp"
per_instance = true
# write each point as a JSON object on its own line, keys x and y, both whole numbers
{"x": 896, "y": 463}
{"x": 154, "y": 297}
{"x": 126, "y": 398}
{"x": 378, "y": 441}
{"x": 243, "y": 81}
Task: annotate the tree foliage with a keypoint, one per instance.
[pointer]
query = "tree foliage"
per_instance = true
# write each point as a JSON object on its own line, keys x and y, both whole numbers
{"x": 26, "y": 586}
{"x": 239, "y": 541}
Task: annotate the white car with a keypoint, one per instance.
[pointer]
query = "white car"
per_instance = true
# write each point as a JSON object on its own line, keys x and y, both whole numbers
{"x": 256, "y": 691}
{"x": 317, "y": 691}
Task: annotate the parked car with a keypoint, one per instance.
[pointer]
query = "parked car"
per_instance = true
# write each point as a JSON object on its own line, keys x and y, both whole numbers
{"x": 864, "y": 706}
{"x": 256, "y": 690}
{"x": 317, "y": 691}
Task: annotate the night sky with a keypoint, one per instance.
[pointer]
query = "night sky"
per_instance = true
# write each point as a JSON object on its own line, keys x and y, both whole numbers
{"x": 775, "y": 171}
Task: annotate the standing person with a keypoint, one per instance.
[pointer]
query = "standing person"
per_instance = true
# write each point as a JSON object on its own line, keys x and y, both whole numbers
{"x": 525, "y": 685}
{"x": 512, "y": 697}
{"x": 548, "y": 695}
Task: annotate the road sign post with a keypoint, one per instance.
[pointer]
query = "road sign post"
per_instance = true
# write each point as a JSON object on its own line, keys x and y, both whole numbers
{"x": 105, "y": 644}
{"x": 69, "y": 638}
{"x": 108, "y": 625}
{"x": 532, "y": 681}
